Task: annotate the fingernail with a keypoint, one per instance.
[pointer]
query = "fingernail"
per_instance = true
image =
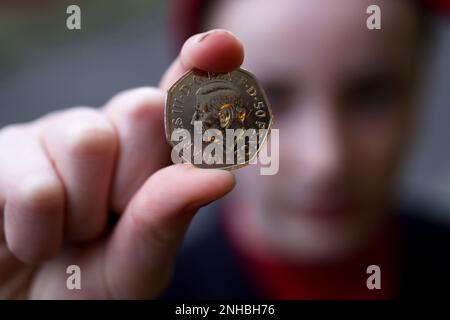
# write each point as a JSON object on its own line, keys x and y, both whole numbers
{"x": 202, "y": 36}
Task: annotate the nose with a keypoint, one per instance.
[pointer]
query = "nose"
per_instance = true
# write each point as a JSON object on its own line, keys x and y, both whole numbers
{"x": 315, "y": 145}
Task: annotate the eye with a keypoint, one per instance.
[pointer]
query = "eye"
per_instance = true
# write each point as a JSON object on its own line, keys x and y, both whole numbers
{"x": 280, "y": 95}
{"x": 374, "y": 94}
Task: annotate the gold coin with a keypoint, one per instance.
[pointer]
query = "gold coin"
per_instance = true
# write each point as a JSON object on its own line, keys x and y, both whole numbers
{"x": 224, "y": 118}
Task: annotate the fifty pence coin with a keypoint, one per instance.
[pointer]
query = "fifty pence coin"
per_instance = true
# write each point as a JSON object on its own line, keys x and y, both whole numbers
{"x": 217, "y": 120}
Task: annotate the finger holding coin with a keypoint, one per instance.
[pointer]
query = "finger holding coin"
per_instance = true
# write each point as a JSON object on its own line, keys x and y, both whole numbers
{"x": 214, "y": 51}
{"x": 137, "y": 114}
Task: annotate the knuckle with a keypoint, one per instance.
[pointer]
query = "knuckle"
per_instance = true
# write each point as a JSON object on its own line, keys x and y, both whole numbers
{"x": 31, "y": 253}
{"x": 139, "y": 104}
{"x": 39, "y": 194}
{"x": 36, "y": 196}
{"x": 90, "y": 134}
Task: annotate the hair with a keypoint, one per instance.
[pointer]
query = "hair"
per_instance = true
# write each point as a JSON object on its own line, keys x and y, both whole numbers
{"x": 425, "y": 19}
{"x": 218, "y": 93}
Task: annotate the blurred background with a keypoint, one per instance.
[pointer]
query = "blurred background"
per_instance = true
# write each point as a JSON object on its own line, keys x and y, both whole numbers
{"x": 123, "y": 44}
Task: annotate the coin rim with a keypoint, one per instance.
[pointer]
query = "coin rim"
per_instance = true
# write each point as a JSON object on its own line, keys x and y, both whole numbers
{"x": 231, "y": 166}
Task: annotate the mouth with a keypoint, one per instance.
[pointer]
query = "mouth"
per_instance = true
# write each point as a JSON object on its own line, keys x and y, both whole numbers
{"x": 326, "y": 209}
{"x": 323, "y": 209}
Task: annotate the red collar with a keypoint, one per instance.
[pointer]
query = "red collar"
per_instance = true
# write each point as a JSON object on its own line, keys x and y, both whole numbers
{"x": 278, "y": 279}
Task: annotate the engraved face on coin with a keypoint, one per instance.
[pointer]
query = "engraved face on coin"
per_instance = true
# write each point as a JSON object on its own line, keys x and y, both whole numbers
{"x": 222, "y": 120}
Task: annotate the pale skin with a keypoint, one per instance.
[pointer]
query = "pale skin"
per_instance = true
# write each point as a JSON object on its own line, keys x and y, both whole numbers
{"x": 63, "y": 175}
{"x": 344, "y": 99}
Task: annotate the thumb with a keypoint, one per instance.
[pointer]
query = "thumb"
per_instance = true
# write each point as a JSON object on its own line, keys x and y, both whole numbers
{"x": 140, "y": 253}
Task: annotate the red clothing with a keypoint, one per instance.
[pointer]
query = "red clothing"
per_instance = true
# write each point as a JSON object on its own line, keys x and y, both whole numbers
{"x": 278, "y": 279}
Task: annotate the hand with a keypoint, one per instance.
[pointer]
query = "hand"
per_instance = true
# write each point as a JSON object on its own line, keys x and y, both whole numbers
{"x": 63, "y": 177}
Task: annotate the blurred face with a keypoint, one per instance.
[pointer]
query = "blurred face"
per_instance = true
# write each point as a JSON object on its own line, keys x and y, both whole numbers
{"x": 342, "y": 97}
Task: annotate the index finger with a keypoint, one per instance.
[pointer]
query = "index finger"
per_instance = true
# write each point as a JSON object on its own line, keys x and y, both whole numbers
{"x": 215, "y": 51}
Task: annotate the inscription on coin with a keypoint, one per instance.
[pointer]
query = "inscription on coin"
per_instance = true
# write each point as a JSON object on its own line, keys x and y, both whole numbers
{"x": 227, "y": 118}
